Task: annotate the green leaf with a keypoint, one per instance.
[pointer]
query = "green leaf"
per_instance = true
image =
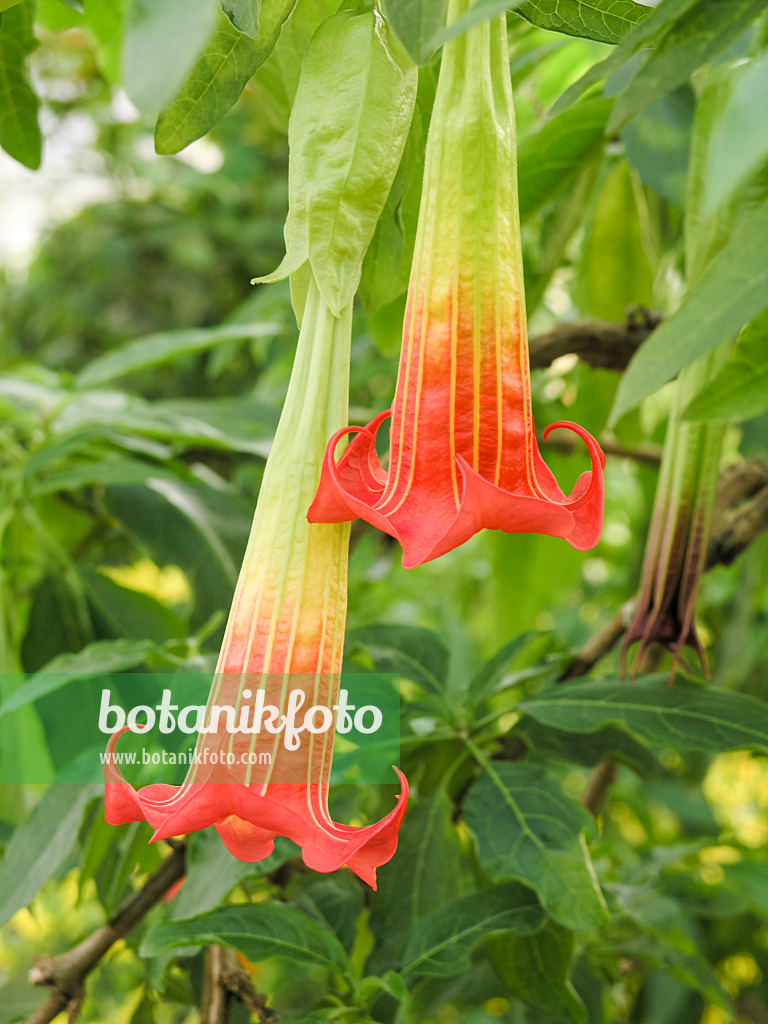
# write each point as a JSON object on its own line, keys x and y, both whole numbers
{"x": 105, "y": 20}
{"x": 615, "y": 271}
{"x": 686, "y": 716}
{"x": 41, "y": 845}
{"x": 739, "y": 142}
{"x": 416, "y": 22}
{"x": 607, "y": 21}
{"x": 19, "y": 131}
{"x": 130, "y": 613}
{"x": 527, "y": 829}
{"x": 525, "y": 651}
{"x": 6, "y": 4}
{"x": 218, "y": 78}
{"x": 648, "y": 32}
{"x": 102, "y": 656}
{"x": 482, "y": 10}
{"x": 418, "y": 654}
{"x": 348, "y": 128}
{"x": 702, "y": 34}
{"x": 429, "y": 867}
{"x": 608, "y": 744}
{"x": 162, "y": 40}
{"x": 740, "y": 390}
{"x": 244, "y": 15}
{"x": 160, "y": 349}
{"x": 549, "y": 159}
{"x": 732, "y": 291}
{"x": 442, "y": 940}
{"x": 257, "y": 931}
{"x": 212, "y": 872}
{"x": 19, "y": 1000}
{"x": 537, "y": 968}
{"x": 335, "y": 900}
{"x": 105, "y": 473}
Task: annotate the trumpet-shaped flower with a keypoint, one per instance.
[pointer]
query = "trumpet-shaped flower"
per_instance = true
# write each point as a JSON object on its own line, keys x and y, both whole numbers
{"x": 463, "y": 452}
{"x": 285, "y": 630}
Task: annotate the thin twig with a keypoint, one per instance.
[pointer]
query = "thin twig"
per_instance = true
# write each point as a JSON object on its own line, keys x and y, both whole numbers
{"x": 65, "y": 974}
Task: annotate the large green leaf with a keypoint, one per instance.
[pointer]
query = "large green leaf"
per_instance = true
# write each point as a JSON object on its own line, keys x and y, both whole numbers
{"x": 537, "y": 969}
{"x": 19, "y": 131}
{"x": 42, "y": 844}
{"x": 348, "y": 128}
{"x": 219, "y": 77}
{"x": 162, "y": 40}
{"x": 428, "y": 870}
{"x": 607, "y": 21}
{"x": 527, "y": 829}
{"x": 416, "y": 23}
{"x": 105, "y": 20}
{"x": 245, "y": 15}
{"x": 549, "y": 159}
{"x": 732, "y": 291}
{"x": 159, "y": 349}
{"x": 739, "y": 143}
{"x": 740, "y": 390}
{"x": 705, "y": 31}
{"x": 418, "y": 654}
{"x": 102, "y": 656}
{"x": 687, "y": 716}
{"x": 607, "y": 744}
{"x": 257, "y": 930}
{"x": 649, "y": 32}
{"x": 441, "y": 942}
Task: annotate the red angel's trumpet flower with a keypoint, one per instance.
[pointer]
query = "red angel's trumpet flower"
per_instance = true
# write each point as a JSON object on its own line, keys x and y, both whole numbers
{"x": 285, "y": 632}
{"x": 463, "y": 453}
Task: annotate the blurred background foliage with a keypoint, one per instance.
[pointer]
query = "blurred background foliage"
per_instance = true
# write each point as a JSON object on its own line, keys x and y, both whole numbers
{"x": 142, "y": 378}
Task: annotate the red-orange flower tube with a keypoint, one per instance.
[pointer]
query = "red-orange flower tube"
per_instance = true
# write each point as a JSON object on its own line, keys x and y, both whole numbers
{"x": 285, "y": 632}
{"x": 463, "y": 453}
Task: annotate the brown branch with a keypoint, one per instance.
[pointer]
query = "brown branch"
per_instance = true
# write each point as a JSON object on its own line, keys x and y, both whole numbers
{"x": 739, "y": 530}
{"x": 601, "y": 344}
{"x": 226, "y": 981}
{"x": 65, "y": 974}
{"x": 596, "y": 793}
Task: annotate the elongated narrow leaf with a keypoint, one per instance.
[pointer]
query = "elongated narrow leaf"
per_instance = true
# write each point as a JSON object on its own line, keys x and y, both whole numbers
{"x": 549, "y": 159}
{"x": 219, "y": 77}
{"x": 732, "y": 291}
{"x": 19, "y": 131}
{"x": 607, "y": 21}
{"x": 416, "y": 22}
{"x": 687, "y": 716}
{"x": 705, "y": 31}
{"x": 482, "y": 10}
{"x": 159, "y": 349}
{"x": 648, "y": 32}
{"x": 527, "y": 829}
{"x": 740, "y": 390}
{"x": 739, "y": 143}
{"x": 257, "y": 931}
{"x": 442, "y": 941}
{"x": 42, "y": 844}
{"x": 101, "y": 656}
{"x": 105, "y": 20}
{"x": 348, "y": 128}
{"x": 162, "y": 40}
